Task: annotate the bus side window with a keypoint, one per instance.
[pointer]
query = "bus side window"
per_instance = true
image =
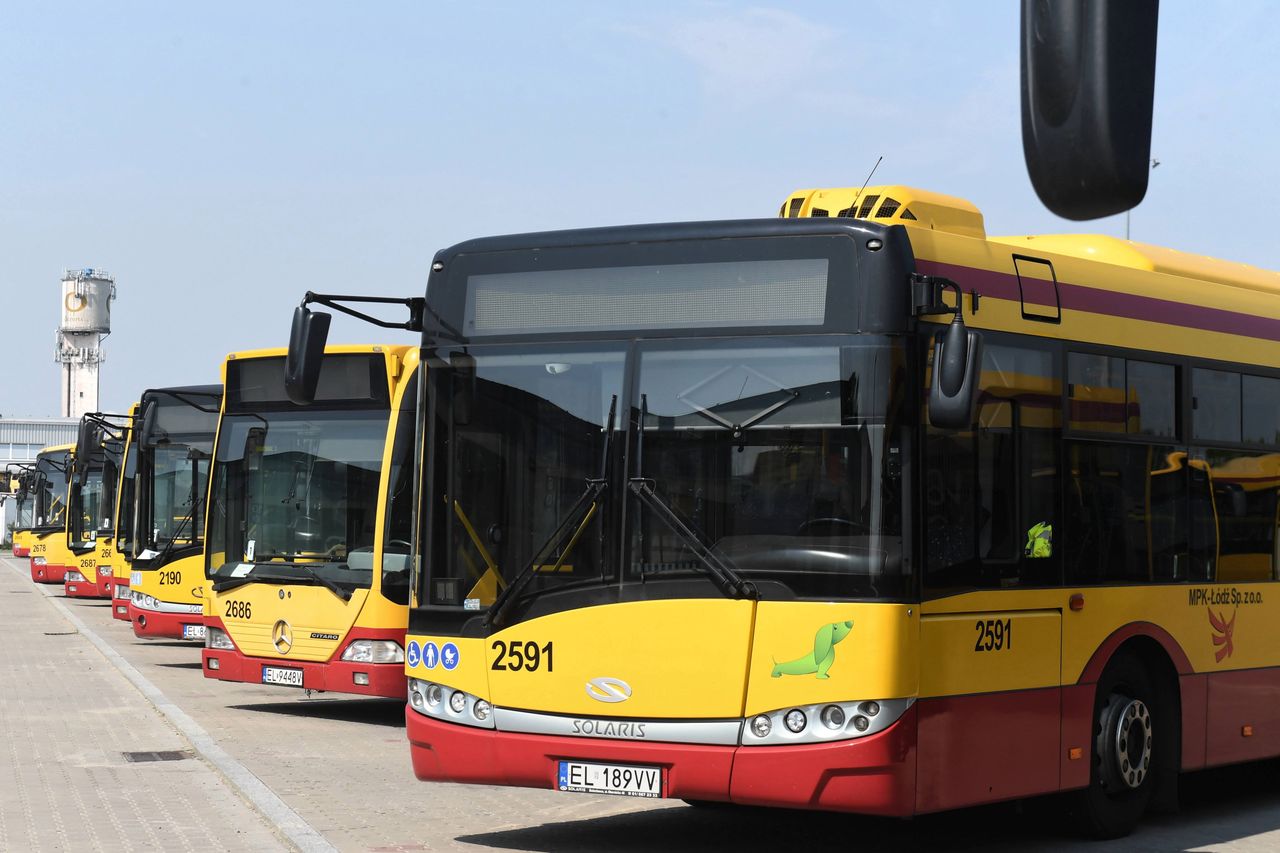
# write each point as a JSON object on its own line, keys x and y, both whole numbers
{"x": 991, "y": 505}
{"x": 1244, "y": 492}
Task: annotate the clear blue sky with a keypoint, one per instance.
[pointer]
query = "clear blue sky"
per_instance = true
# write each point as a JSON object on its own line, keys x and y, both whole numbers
{"x": 222, "y": 160}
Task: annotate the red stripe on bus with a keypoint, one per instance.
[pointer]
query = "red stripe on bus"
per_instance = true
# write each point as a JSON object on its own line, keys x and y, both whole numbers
{"x": 1096, "y": 301}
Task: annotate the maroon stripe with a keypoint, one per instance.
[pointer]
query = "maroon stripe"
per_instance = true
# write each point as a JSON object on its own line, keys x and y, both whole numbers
{"x": 1077, "y": 297}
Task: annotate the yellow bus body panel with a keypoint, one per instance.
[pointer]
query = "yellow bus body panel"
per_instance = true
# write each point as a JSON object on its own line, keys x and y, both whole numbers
{"x": 318, "y": 619}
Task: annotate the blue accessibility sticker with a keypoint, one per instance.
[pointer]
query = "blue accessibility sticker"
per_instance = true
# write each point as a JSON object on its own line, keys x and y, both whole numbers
{"x": 449, "y": 656}
{"x": 414, "y": 653}
{"x": 430, "y": 655}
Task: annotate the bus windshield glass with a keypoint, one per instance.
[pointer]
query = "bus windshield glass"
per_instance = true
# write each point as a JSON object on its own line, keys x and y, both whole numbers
{"x": 781, "y": 456}
{"x": 88, "y": 499}
{"x": 296, "y": 487}
{"x": 51, "y": 495}
{"x": 173, "y": 469}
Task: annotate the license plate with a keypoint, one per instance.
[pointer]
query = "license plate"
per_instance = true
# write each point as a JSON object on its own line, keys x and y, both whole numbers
{"x": 193, "y": 632}
{"x": 281, "y": 675}
{"x": 618, "y": 779}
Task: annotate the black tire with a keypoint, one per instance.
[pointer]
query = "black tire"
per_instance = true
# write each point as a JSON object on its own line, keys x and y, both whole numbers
{"x": 1127, "y": 758}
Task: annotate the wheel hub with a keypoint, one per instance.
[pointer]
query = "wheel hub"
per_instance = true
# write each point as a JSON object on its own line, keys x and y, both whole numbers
{"x": 1133, "y": 743}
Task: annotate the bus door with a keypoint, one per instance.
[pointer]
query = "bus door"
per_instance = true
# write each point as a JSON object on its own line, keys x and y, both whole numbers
{"x": 990, "y": 632}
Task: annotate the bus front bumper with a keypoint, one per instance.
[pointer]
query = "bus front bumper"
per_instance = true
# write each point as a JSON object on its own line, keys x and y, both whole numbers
{"x": 47, "y": 572}
{"x": 88, "y": 587}
{"x": 161, "y": 624}
{"x": 874, "y": 775}
{"x": 120, "y": 600}
{"x": 338, "y": 676}
{"x": 19, "y": 551}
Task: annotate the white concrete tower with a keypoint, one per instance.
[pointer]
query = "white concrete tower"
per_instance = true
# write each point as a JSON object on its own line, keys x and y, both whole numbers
{"x": 87, "y": 295}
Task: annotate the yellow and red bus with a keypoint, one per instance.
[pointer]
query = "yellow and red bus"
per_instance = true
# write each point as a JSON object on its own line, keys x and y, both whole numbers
{"x": 174, "y": 445}
{"x": 126, "y": 497}
{"x": 309, "y": 524}
{"x": 91, "y": 503}
{"x": 50, "y": 557}
{"x": 23, "y": 477}
{"x": 700, "y": 518}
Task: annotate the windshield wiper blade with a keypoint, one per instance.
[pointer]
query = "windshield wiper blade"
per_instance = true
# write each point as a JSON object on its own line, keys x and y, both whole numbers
{"x": 231, "y": 583}
{"x": 327, "y": 583}
{"x": 718, "y": 568}
{"x": 595, "y": 487}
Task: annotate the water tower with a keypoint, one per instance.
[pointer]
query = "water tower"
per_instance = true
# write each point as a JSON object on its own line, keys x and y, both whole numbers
{"x": 86, "y": 319}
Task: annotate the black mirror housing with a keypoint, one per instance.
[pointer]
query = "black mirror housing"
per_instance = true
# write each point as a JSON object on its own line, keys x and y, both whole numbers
{"x": 953, "y": 388}
{"x": 307, "y": 338}
{"x": 147, "y": 432}
{"x": 1088, "y": 86}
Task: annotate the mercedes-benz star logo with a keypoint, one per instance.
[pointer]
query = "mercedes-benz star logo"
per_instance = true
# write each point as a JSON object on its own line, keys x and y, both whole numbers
{"x": 282, "y": 637}
{"x": 608, "y": 690}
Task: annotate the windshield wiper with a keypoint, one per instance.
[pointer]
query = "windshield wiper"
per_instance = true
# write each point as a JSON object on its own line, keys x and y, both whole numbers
{"x": 595, "y": 487}
{"x": 256, "y": 575}
{"x": 720, "y": 570}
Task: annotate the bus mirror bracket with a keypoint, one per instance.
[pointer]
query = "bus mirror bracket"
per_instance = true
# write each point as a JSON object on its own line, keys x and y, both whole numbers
{"x": 957, "y": 355}
{"x": 311, "y": 330}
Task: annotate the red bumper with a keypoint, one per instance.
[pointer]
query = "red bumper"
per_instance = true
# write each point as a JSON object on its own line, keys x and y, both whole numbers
{"x": 120, "y": 602}
{"x": 156, "y": 625}
{"x": 48, "y": 573}
{"x": 88, "y": 588}
{"x": 872, "y": 775}
{"x": 385, "y": 679}
{"x": 19, "y": 551}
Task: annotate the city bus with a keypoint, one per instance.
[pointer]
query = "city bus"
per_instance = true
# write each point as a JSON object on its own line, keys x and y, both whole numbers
{"x": 310, "y": 522}
{"x": 91, "y": 505}
{"x": 23, "y": 479}
{"x": 122, "y": 567}
{"x": 50, "y": 557}
{"x": 174, "y": 445}
{"x": 856, "y": 509}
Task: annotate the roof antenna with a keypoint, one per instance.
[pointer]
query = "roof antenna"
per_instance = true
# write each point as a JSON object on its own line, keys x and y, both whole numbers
{"x": 853, "y": 208}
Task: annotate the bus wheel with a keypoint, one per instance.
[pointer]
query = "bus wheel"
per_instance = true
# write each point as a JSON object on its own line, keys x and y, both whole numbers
{"x": 1125, "y": 760}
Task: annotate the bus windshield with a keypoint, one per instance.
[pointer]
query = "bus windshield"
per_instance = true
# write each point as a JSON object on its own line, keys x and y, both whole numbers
{"x": 51, "y": 494}
{"x": 296, "y": 487}
{"x": 87, "y": 505}
{"x": 777, "y": 457}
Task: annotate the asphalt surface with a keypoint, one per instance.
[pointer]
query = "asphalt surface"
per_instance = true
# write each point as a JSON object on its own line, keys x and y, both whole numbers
{"x": 271, "y": 768}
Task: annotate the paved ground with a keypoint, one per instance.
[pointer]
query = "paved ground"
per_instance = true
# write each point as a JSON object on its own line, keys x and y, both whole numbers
{"x": 340, "y": 770}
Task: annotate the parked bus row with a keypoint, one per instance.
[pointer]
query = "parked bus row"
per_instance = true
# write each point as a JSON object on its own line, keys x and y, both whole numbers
{"x": 856, "y": 509}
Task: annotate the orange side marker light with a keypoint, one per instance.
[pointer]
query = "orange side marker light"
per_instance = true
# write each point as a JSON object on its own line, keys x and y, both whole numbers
{"x": 1075, "y": 753}
{"x": 1076, "y": 602}
{"x": 1246, "y": 731}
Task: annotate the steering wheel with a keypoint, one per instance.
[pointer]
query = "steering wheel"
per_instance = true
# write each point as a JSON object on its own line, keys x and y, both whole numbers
{"x": 856, "y": 526}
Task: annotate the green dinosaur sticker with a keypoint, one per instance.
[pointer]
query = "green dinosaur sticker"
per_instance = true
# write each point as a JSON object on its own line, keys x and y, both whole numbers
{"x": 823, "y": 655}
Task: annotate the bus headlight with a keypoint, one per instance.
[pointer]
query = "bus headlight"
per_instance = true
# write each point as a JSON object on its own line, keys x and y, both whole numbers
{"x": 374, "y": 651}
{"x": 39, "y": 561}
{"x": 216, "y": 638}
{"x": 449, "y": 705}
{"x": 74, "y": 576}
{"x": 840, "y": 721}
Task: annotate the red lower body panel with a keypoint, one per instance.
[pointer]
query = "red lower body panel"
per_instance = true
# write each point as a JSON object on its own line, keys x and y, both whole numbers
{"x": 120, "y": 601}
{"x": 19, "y": 551}
{"x": 156, "y": 625}
{"x": 873, "y": 775}
{"x": 1243, "y": 715}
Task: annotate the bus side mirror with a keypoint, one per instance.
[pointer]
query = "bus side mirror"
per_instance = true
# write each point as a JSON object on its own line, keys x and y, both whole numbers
{"x": 1088, "y": 84}
{"x": 957, "y": 355}
{"x": 85, "y": 436}
{"x": 307, "y": 338}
